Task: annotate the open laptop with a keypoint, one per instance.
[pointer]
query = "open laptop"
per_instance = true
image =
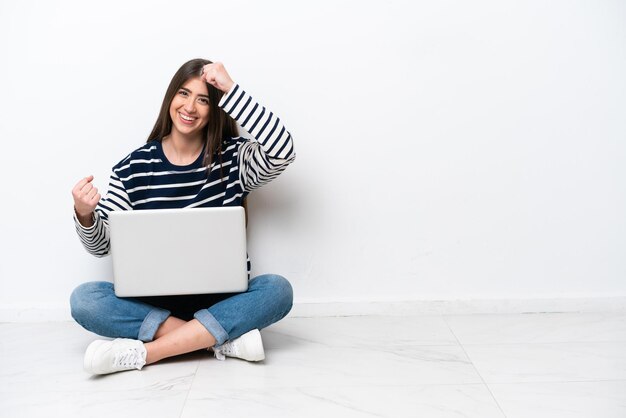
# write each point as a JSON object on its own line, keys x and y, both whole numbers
{"x": 160, "y": 252}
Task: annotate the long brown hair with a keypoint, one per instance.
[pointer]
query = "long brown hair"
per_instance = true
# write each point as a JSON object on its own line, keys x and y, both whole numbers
{"x": 220, "y": 126}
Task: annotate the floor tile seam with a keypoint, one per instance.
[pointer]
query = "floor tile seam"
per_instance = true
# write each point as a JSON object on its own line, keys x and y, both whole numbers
{"x": 77, "y": 385}
{"x": 195, "y": 373}
{"x": 475, "y": 368}
{"x": 192, "y": 392}
{"x": 301, "y": 390}
{"x": 415, "y": 385}
{"x": 542, "y": 342}
{"x": 458, "y": 343}
{"x": 618, "y": 313}
{"x": 345, "y": 345}
{"x": 453, "y": 314}
{"x": 340, "y": 403}
{"x": 340, "y": 386}
{"x": 535, "y": 314}
{"x": 534, "y": 382}
{"x": 188, "y": 391}
{"x": 377, "y": 347}
{"x": 357, "y": 346}
{"x": 432, "y": 315}
{"x": 96, "y": 391}
{"x": 395, "y": 351}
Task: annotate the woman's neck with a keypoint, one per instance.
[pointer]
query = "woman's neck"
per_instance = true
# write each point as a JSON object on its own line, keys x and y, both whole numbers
{"x": 182, "y": 147}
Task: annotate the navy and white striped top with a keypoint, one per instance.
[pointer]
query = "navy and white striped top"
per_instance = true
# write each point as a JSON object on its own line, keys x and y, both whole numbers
{"x": 145, "y": 179}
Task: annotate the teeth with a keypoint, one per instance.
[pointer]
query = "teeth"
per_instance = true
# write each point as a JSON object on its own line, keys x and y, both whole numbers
{"x": 186, "y": 117}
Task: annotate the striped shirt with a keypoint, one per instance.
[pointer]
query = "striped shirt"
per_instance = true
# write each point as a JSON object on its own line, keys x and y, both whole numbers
{"x": 145, "y": 179}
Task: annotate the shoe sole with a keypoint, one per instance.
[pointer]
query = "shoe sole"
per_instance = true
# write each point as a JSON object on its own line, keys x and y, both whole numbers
{"x": 89, "y": 355}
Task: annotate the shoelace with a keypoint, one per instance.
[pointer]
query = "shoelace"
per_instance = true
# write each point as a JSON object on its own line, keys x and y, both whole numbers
{"x": 224, "y": 350}
{"x": 129, "y": 358}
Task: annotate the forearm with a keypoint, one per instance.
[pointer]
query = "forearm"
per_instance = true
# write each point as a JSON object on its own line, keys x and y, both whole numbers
{"x": 276, "y": 142}
{"x": 95, "y": 238}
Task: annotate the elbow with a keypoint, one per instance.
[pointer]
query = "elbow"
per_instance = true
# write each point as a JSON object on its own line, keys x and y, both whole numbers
{"x": 101, "y": 254}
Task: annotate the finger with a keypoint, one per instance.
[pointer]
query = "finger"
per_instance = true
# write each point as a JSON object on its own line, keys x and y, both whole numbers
{"x": 206, "y": 69}
{"x": 89, "y": 196}
{"x": 86, "y": 189}
{"x": 96, "y": 199}
{"x": 209, "y": 79}
{"x": 81, "y": 183}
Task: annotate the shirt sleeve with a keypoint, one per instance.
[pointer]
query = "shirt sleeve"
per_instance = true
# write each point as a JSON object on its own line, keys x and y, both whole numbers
{"x": 96, "y": 239}
{"x": 262, "y": 160}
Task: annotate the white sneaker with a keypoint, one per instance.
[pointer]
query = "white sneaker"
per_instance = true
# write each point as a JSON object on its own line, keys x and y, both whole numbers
{"x": 247, "y": 347}
{"x": 104, "y": 356}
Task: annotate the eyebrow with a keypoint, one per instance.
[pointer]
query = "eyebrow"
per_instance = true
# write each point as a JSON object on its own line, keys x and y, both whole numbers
{"x": 187, "y": 90}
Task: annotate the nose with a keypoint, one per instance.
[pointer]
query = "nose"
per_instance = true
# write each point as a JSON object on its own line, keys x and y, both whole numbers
{"x": 190, "y": 105}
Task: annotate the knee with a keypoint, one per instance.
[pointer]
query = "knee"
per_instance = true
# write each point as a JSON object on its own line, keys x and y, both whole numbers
{"x": 83, "y": 300}
{"x": 279, "y": 288}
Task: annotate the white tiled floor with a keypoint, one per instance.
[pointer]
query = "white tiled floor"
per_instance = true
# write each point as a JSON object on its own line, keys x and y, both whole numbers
{"x": 532, "y": 365}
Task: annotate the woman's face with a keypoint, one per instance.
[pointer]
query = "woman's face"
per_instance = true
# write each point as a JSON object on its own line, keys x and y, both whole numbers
{"x": 190, "y": 107}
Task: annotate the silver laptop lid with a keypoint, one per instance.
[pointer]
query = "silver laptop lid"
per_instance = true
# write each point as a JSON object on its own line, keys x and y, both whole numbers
{"x": 178, "y": 251}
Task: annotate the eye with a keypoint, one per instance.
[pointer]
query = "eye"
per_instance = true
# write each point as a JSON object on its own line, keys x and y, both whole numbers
{"x": 204, "y": 100}
{"x": 182, "y": 92}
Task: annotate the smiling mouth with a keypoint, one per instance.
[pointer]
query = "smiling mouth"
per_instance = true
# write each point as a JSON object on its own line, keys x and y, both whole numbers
{"x": 186, "y": 119}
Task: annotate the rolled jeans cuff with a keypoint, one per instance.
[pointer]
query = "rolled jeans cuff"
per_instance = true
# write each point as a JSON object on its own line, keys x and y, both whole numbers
{"x": 151, "y": 324}
{"x": 207, "y": 319}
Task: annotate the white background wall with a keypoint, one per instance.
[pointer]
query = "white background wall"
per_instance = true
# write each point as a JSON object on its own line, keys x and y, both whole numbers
{"x": 446, "y": 150}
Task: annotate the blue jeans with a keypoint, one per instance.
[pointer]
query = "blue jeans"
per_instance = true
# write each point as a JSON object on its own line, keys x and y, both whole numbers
{"x": 225, "y": 315}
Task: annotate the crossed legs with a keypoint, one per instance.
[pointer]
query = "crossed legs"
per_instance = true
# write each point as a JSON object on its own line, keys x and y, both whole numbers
{"x": 176, "y": 336}
{"x": 95, "y": 307}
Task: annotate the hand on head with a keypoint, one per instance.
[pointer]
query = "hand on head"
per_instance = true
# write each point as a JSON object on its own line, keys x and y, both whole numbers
{"x": 215, "y": 74}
